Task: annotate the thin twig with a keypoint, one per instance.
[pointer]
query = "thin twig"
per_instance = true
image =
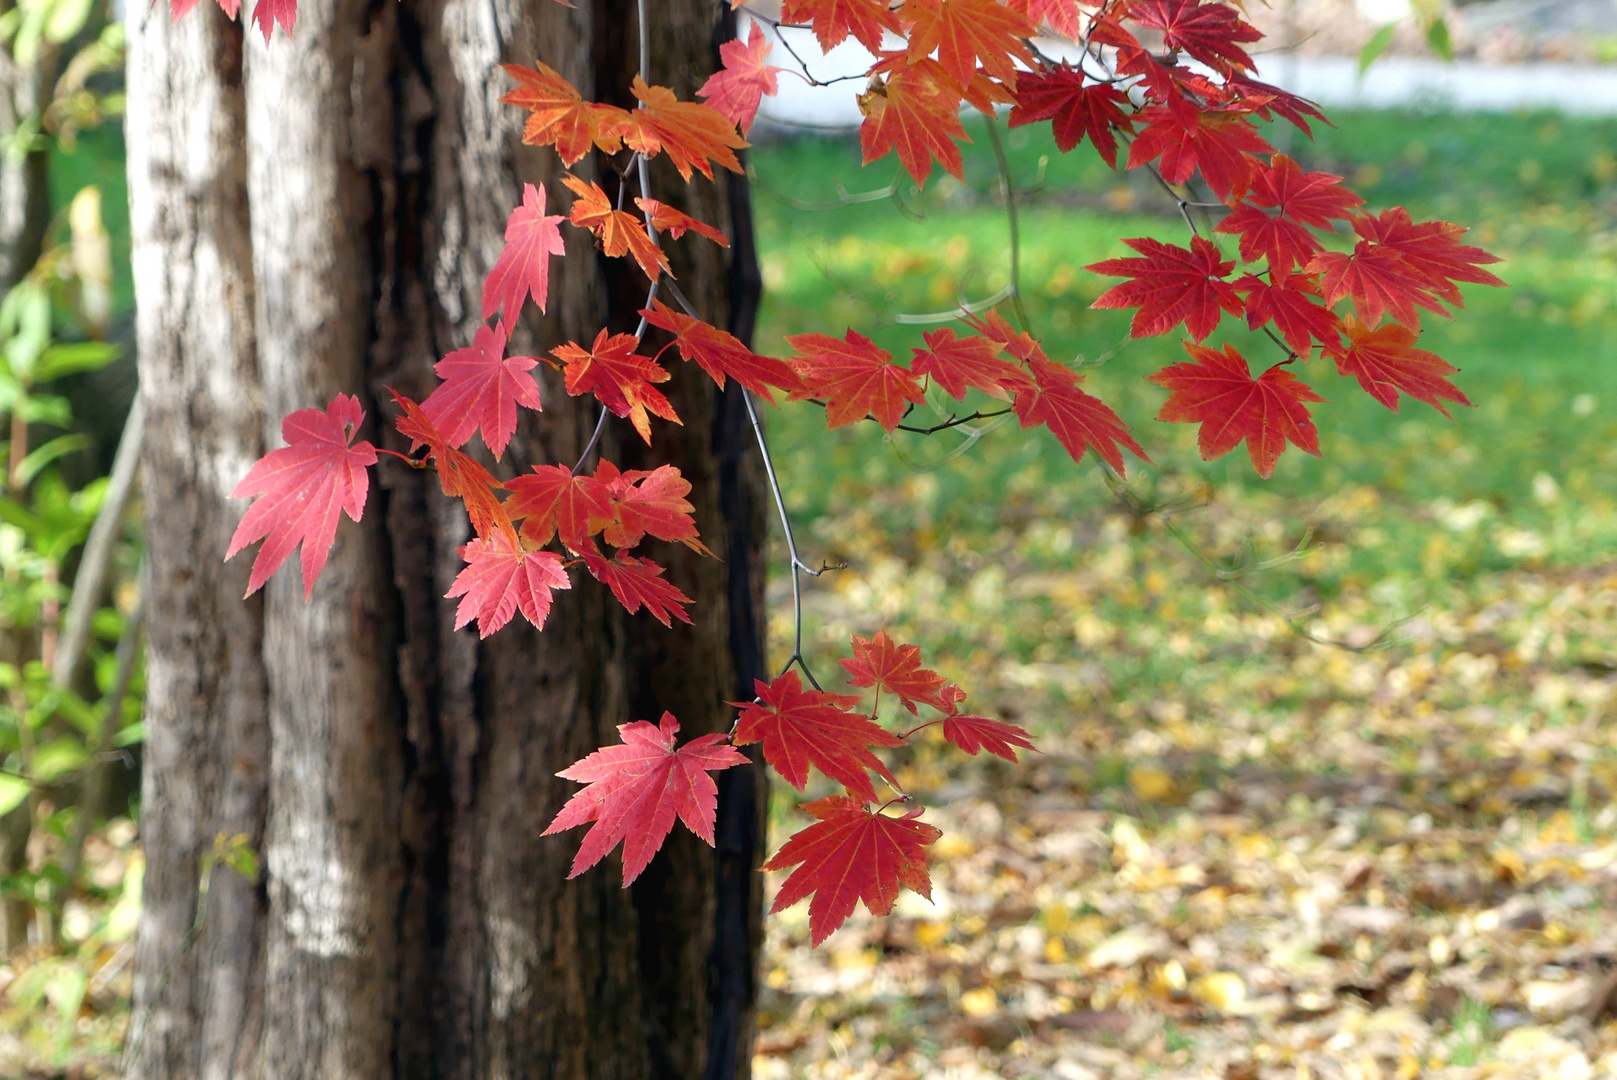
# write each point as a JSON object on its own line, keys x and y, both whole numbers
{"x": 1009, "y": 195}
{"x": 89, "y": 582}
{"x": 600, "y": 426}
{"x": 791, "y": 547}
{"x": 954, "y": 422}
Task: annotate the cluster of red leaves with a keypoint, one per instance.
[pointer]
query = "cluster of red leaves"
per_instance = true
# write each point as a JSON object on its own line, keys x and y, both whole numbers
{"x": 306, "y": 485}
{"x": 1170, "y": 80}
{"x": 854, "y": 851}
{"x": 1191, "y": 123}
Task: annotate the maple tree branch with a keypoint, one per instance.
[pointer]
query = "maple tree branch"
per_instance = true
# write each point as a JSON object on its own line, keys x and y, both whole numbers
{"x": 1009, "y": 195}
{"x": 1181, "y": 202}
{"x": 804, "y": 74}
{"x": 589, "y": 447}
{"x": 798, "y": 566}
{"x": 954, "y": 422}
{"x": 791, "y": 546}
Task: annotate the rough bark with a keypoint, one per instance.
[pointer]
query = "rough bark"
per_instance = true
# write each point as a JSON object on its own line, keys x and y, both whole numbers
{"x": 318, "y": 217}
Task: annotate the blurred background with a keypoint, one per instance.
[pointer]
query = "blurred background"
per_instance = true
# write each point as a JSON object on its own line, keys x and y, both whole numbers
{"x": 1325, "y": 787}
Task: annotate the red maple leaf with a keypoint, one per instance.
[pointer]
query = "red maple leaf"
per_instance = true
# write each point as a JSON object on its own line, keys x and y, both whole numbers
{"x": 620, "y": 232}
{"x": 976, "y": 733}
{"x": 1077, "y": 420}
{"x": 1294, "y": 308}
{"x": 894, "y": 668}
{"x": 1171, "y": 285}
{"x": 856, "y": 378}
{"x": 852, "y": 854}
{"x": 1187, "y": 137}
{"x": 523, "y": 268}
{"x": 693, "y": 135}
{"x": 266, "y": 13}
{"x": 1075, "y": 110}
{"x": 966, "y": 32}
{"x": 1385, "y": 361}
{"x": 551, "y": 501}
{"x": 482, "y": 388}
{"x": 637, "y": 790}
{"x": 1158, "y": 81}
{"x": 637, "y": 583}
{"x": 834, "y": 20}
{"x": 1379, "y": 279}
{"x": 502, "y": 578}
{"x": 722, "y": 355}
{"x": 743, "y": 78}
{"x": 560, "y": 115}
{"x": 1432, "y": 249}
{"x": 648, "y": 502}
{"x": 304, "y": 486}
{"x": 956, "y": 363}
{"x": 619, "y": 377}
{"x": 460, "y": 476}
{"x": 1266, "y": 102}
{"x": 1299, "y": 199}
{"x": 676, "y": 223}
{"x": 801, "y": 728}
{"x": 1018, "y": 343}
{"x": 1218, "y": 392}
{"x": 1209, "y": 32}
{"x": 912, "y": 114}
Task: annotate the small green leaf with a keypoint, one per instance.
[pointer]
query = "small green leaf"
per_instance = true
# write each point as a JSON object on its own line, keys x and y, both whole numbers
{"x": 13, "y": 792}
{"x": 58, "y": 758}
{"x": 237, "y": 853}
{"x": 59, "y": 360}
{"x": 59, "y": 447}
{"x": 1375, "y": 47}
{"x": 1438, "y": 39}
{"x": 66, "y": 19}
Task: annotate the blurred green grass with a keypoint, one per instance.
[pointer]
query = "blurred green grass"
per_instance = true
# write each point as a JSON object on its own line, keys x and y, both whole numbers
{"x": 1525, "y": 477}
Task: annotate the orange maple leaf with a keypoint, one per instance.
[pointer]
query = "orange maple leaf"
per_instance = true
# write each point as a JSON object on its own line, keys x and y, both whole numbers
{"x": 560, "y": 115}
{"x": 620, "y": 232}
{"x": 914, "y": 115}
{"x": 676, "y": 223}
{"x": 834, "y": 20}
{"x": 693, "y": 135}
{"x": 856, "y": 378}
{"x": 966, "y": 32}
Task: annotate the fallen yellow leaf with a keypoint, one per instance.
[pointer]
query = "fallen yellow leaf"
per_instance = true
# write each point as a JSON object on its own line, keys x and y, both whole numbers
{"x": 1223, "y": 991}
{"x": 979, "y": 1002}
{"x": 1150, "y": 783}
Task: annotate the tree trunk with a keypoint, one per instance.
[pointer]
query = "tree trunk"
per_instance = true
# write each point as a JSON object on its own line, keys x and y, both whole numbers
{"x": 318, "y": 217}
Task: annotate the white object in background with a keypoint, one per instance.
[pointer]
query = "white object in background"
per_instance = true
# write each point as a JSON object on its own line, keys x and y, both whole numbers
{"x": 1382, "y": 12}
